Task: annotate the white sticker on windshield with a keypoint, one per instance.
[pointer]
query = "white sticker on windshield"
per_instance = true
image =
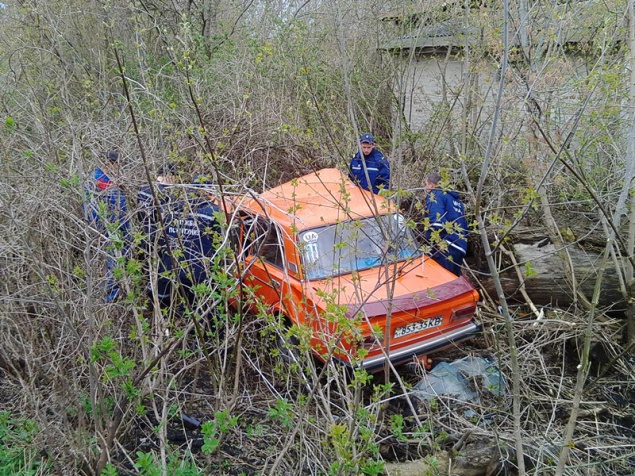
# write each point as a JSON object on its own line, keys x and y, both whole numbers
{"x": 311, "y": 252}
{"x": 310, "y": 237}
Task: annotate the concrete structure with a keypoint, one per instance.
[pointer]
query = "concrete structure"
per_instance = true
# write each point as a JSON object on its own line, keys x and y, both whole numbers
{"x": 437, "y": 77}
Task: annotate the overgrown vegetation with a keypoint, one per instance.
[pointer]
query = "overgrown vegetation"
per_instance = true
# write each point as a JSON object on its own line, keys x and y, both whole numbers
{"x": 536, "y": 130}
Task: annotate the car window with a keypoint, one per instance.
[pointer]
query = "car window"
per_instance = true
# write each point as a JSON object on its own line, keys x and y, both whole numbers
{"x": 271, "y": 249}
{"x": 254, "y": 231}
{"x": 355, "y": 245}
{"x": 262, "y": 238}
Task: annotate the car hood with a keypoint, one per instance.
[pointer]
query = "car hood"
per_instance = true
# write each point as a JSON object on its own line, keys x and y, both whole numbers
{"x": 403, "y": 287}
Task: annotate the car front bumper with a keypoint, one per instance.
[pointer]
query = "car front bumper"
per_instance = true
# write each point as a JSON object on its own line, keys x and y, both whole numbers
{"x": 421, "y": 348}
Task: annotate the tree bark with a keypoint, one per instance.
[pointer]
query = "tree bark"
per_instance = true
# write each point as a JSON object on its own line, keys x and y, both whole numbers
{"x": 546, "y": 281}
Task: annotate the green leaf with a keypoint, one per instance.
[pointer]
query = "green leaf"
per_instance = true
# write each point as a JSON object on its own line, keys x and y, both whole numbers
{"x": 9, "y": 123}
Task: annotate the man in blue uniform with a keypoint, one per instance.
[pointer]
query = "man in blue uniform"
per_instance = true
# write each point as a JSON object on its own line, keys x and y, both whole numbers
{"x": 448, "y": 227}
{"x": 370, "y": 169}
{"x": 106, "y": 208}
{"x": 181, "y": 233}
{"x": 150, "y": 216}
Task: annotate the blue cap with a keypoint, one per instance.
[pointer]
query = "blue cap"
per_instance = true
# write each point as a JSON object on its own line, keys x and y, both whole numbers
{"x": 367, "y": 137}
{"x": 112, "y": 156}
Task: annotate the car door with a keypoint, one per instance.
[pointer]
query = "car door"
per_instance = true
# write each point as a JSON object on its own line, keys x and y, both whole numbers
{"x": 264, "y": 259}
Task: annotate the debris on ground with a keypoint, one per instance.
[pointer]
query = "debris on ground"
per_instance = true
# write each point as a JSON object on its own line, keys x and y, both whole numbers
{"x": 465, "y": 380}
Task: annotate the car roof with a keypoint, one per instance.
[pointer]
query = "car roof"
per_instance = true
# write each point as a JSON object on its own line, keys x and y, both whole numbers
{"x": 323, "y": 197}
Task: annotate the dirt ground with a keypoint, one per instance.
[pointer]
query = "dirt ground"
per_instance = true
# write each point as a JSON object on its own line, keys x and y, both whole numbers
{"x": 437, "y": 435}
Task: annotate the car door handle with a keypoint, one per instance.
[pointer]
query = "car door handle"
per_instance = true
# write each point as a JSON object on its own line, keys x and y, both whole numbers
{"x": 275, "y": 283}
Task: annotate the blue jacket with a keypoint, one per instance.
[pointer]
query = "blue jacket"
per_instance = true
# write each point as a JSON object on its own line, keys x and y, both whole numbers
{"x": 190, "y": 225}
{"x": 146, "y": 213}
{"x": 378, "y": 171}
{"x": 106, "y": 205}
{"x": 443, "y": 207}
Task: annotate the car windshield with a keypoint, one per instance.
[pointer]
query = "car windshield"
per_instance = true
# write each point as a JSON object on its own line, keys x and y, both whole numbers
{"x": 355, "y": 245}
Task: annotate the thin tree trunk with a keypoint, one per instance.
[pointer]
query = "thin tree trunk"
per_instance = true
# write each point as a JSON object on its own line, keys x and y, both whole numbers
{"x": 583, "y": 370}
{"x": 630, "y": 161}
{"x": 210, "y": 19}
{"x": 513, "y": 350}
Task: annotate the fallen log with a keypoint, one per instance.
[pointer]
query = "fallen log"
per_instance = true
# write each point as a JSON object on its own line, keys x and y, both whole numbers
{"x": 546, "y": 283}
{"x": 479, "y": 458}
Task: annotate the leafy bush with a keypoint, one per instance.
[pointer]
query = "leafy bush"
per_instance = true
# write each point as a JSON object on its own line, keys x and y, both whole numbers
{"x": 17, "y": 456}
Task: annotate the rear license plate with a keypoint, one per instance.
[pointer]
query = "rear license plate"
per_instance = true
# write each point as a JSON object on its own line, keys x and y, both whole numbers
{"x": 418, "y": 326}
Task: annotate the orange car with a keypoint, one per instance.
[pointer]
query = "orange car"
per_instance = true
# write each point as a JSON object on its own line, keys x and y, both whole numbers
{"x": 343, "y": 265}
